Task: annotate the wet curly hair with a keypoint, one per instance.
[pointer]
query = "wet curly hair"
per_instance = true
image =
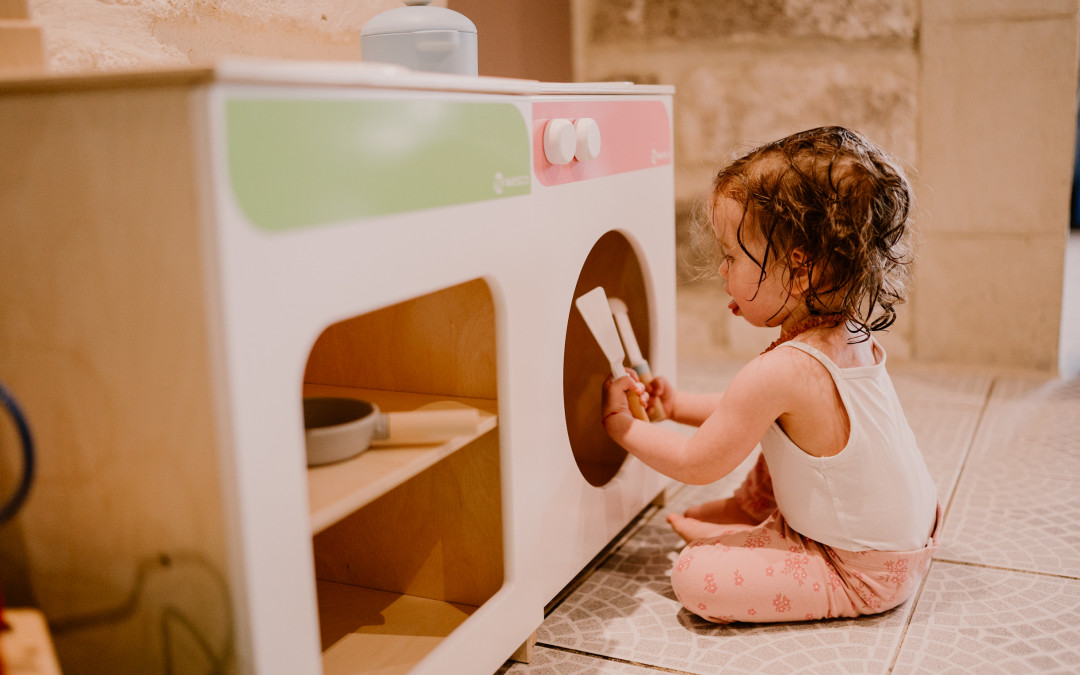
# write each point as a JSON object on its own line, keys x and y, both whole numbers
{"x": 840, "y": 201}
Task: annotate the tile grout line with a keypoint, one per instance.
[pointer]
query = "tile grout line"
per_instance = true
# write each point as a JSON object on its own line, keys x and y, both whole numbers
{"x": 910, "y": 616}
{"x": 999, "y": 568}
{"x": 922, "y": 584}
{"x": 944, "y": 516}
{"x": 604, "y": 657}
{"x": 967, "y": 451}
{"x": 963, "y": 467}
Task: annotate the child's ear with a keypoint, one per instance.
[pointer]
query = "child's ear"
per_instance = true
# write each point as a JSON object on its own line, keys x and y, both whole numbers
{"x": 800, "y": 272}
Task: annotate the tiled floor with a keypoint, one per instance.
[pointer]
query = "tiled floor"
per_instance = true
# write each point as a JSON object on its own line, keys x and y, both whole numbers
{"x": 1002, "y": 594}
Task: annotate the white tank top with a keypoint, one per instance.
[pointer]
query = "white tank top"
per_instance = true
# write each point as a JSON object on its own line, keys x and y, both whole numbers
{"x": 876, "y": 494}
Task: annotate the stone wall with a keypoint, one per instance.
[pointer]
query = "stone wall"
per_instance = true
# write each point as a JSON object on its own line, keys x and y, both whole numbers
{"x": 82, "y": 35}
{"x": 976, "y": 97}
{"x": 747, "y": 72}
{"x": 996, "y": 131}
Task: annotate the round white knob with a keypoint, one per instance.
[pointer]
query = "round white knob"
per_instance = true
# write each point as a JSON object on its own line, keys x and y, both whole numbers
{"x": 588, "y": 139}
{"x": 560, "y": 141}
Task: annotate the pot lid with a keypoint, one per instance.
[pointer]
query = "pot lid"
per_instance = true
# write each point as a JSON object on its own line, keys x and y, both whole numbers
{"x": 417, "y": 17}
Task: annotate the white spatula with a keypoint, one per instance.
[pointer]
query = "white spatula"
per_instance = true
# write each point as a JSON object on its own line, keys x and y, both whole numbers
{"x": 621, "y": 314}
{"x": 595, "y": 310}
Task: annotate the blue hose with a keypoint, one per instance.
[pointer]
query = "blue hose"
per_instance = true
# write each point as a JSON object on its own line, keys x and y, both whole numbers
{"x": 8, "y": 511}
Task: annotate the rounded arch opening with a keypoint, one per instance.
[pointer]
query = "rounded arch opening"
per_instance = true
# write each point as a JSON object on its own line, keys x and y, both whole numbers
{"x": 613, "y": 264}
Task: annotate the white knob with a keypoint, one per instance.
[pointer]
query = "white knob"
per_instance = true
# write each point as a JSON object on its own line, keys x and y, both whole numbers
{"x": 560, "y": 141}
{"x": 588, "y": 139}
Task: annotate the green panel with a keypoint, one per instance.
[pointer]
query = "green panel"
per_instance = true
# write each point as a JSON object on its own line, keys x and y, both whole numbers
{"x": 295, "y": 163}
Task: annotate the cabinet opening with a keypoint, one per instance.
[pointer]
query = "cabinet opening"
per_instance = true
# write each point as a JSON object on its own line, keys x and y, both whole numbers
{"x": 407, "y": 539}
{"x": 613, "y": 264}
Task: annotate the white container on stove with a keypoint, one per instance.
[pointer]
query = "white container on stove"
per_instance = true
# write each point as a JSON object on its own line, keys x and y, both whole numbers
{"x": 423, "y": 38}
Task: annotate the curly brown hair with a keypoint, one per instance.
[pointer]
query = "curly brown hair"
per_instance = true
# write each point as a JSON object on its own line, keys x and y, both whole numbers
{"x": 840, "y": 201}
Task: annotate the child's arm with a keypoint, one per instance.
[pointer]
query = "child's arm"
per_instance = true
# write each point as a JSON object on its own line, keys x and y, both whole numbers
{"x": 680, "y": 406}
{"x": 756, "y": 397}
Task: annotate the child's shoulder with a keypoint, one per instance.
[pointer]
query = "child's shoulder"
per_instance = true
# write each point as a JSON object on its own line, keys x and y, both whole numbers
{"x": 786, "y": 361}
{"x": 775, "y": 370}
{"x": 777, "y": 366}
{"x": 780, "y": 381}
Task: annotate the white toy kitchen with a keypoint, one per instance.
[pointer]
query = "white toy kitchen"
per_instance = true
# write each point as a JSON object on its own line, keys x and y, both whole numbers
{"x": 204, "y": 248}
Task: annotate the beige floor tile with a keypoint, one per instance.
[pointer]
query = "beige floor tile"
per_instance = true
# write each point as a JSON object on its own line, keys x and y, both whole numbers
{"x": 945, "y": 477}
{"x": 1017, "y": 499}
{"x": 1019, "y": 520}
{"x": 547, "y": 661}
{"x": 934, "y": 384}
{"x": 980, "y": 620}
{"x": 627, "y": 610}
{"x": 1031, "y": 424}
{"x": 944, "y": 431}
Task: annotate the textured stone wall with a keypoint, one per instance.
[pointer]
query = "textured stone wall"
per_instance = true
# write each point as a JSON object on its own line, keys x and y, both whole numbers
{"x": 83, "y": 35}
{"x": 978, "y": 95}
{"x": 997, "y": 123}
{"x": 747, "y": 72}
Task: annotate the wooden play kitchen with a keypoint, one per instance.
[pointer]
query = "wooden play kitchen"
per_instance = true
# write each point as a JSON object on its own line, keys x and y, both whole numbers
{"x": 189, "y": 254}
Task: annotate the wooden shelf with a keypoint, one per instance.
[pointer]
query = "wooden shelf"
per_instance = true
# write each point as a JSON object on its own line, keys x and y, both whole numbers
{"x": 337, "y": 490}
{"x": 382, "y": 632}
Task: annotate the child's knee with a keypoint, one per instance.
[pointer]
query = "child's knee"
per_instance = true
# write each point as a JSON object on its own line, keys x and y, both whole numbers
{"x": 698, "y": 589}
{"x": 681, "y": 575}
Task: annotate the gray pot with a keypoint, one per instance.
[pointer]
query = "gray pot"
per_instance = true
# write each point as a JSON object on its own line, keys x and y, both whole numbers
{"x": 419, "y": 37}
{"x": 341, "y": 428}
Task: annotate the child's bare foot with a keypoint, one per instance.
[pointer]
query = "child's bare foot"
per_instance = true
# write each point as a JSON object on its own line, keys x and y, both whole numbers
{"x": 692, "y": 529}
{"x": 724, "y": 511}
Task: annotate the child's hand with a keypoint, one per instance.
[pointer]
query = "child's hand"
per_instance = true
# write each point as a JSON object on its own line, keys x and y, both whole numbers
{"x": 662, "y": 394}
{"x": 615, "y": 412}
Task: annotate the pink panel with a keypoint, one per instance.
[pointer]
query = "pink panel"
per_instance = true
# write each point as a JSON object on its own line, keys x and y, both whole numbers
{"x": 634, "y": 135}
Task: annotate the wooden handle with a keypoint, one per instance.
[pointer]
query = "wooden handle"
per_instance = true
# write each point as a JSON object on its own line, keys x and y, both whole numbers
{"x": 657, "y": 412}
{"x": 429, "y": 426}
{"x": 636, "y": 409}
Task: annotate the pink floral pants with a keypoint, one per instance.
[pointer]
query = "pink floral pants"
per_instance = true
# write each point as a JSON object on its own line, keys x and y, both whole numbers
{"x": 772, "y": 573}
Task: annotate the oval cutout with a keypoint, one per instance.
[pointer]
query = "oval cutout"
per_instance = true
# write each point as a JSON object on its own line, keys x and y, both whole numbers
{"x": 613, "y": 264}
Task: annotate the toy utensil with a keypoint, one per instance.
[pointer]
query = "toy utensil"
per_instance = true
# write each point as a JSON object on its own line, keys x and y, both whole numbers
{"x": 633, "y": 352}
{"x": 595, "y": 310}
{"x": 340, "y": 428}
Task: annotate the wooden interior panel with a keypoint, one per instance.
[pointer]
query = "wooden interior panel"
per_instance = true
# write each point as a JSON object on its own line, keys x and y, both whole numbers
{"x": 104, "y": 340}
{"x": 22, "y": 46}
{"x": 442, "y": 343}
{"x": 438, "y": 535}
{"x": 381, "y": 632}
{"x": 14, "y": 9}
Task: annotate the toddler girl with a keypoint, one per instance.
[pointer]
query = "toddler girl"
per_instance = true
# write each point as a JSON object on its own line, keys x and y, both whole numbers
{"x": 839, "y": 517}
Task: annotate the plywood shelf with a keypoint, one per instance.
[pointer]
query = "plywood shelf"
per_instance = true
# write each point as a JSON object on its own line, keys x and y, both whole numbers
{"x": 389, "y": 595}
{"x": 337, "y": 490}
{"x": 380, "y": 631}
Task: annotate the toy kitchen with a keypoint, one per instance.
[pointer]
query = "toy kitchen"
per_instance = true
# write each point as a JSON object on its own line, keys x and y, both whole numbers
{"x": 190, "y": 254}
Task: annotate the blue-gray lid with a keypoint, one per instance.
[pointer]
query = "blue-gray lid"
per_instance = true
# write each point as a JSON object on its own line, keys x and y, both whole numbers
{"x": 417, "y": 17}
